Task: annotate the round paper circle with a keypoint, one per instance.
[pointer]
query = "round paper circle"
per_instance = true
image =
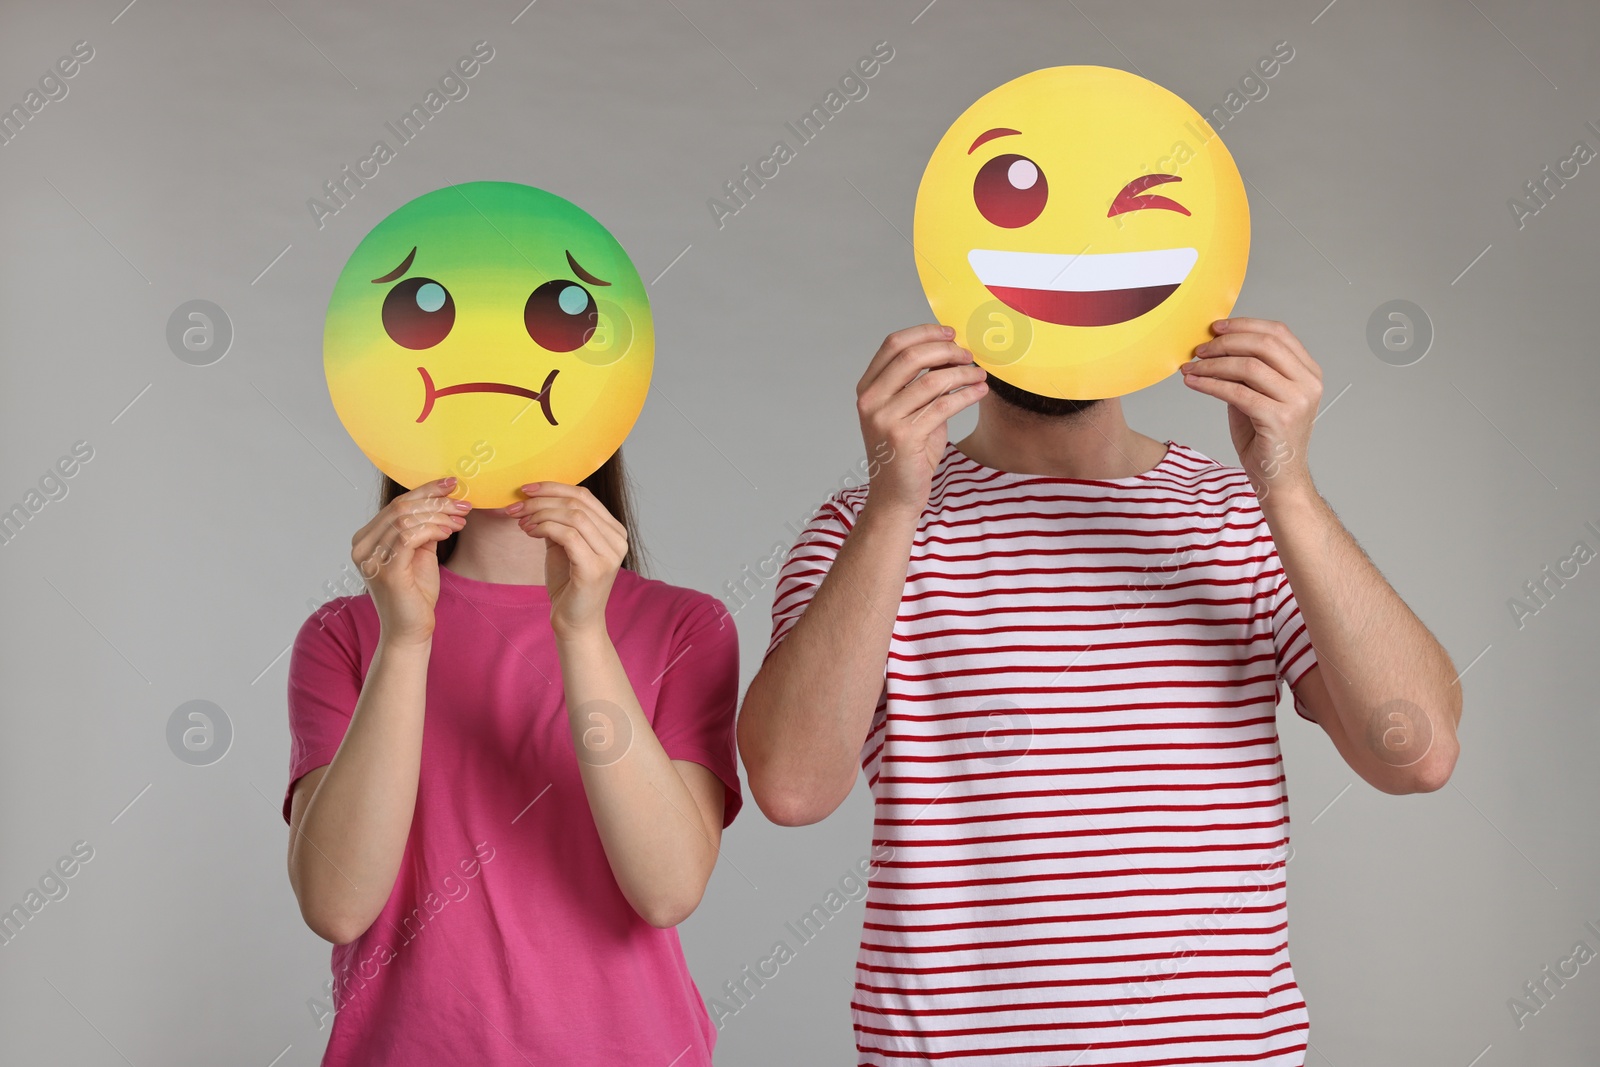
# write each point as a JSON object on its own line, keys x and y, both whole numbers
{"x": 1080, "y": 228}
{"x": 491, "y": 331}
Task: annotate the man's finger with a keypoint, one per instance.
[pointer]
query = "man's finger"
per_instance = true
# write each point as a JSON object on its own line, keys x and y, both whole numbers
{"x": 1269, "y": 350}
{"x": 942, "y": 408}
{"x": 928, "y": 388}
{"x": 1254, "y": 405}
{"x": 1248, "y": 370}
{"x": 1273, "y": 328}
{"x": 897, "y": 342}
{"x": 905, "y": 367}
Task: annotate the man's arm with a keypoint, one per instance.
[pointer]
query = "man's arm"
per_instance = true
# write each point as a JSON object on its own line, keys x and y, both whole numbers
{"x": 1390, "y": 700}
{"x": 808, "y": 710}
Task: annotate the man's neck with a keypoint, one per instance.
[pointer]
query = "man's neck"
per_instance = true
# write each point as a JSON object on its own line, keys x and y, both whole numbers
{"x": 1094, "y": 443}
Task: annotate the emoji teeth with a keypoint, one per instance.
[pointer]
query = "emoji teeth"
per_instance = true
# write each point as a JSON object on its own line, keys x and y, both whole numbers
{"x": 1096, "y": 307}
{"x": 1083, "y": 273}
{"x": 1101, "y": 289}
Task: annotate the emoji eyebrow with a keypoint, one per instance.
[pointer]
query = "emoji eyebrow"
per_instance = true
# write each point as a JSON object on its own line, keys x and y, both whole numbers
{"x": 990, "y": 135}
{"x": 580, "y": 272}
{"x": 401, "y": 269}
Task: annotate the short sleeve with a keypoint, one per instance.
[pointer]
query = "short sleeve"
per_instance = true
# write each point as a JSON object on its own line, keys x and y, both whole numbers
{"x": 1291, "y": 643}
{"x": 699, "y": 695}
{"x": 325, "y": 678}
{"x": 807, "y": 564}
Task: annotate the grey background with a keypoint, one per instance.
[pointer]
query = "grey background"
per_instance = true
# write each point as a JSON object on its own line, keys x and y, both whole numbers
{"x": 183, "y": 557}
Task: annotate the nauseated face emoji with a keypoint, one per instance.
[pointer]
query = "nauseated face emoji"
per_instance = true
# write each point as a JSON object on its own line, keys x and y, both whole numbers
{"x": 1080, "y": 228}
{"x": 490, "y": 331}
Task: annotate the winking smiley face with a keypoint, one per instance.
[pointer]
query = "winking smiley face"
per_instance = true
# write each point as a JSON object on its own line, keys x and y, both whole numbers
{"x": 1080, "y": 228}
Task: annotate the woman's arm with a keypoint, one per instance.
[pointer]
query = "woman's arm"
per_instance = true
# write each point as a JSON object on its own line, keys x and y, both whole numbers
{"x": 660, "y": 820}
{"x": 349, "y": 820}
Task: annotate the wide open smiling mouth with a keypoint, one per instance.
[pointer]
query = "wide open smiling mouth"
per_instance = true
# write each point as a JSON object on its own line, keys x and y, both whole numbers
{"x": 1082, "y": 290}
{"x": 432, "y": 393}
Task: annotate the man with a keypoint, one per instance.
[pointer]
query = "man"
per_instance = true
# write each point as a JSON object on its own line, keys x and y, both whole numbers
{"x": 1055, "y": 648}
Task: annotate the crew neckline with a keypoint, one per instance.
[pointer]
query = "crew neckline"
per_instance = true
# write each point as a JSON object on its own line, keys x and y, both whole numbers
{"x": 1167, "y": 462}
{"x": 490, "y": 592}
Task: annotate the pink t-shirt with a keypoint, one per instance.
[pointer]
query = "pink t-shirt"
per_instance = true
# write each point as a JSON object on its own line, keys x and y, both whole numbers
{"x": 506, "y": 939}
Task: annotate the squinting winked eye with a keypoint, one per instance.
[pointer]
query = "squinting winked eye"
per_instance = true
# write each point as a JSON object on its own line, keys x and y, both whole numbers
{"x": 1134, "y": 198}
{"x": 418, "y": 313}
{"x": 1010, "y": 191}
{"x": 560, "y": 316}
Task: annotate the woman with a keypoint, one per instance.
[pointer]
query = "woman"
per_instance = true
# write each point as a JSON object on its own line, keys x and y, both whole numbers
{"x": 512, "y": 763}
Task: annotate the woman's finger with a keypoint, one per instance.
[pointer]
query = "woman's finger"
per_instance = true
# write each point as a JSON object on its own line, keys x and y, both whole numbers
{"x": 577, "y": 494}
{"x": 580, "y": 521}
{"x": 399, "y": 545}
{"x": 431, "y": 499}
{"x": 585, "y": 563}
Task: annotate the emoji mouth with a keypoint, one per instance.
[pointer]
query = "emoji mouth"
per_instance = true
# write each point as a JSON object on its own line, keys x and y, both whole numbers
{"x": 432, "y": 392}
{"x": 1082, "y": 290}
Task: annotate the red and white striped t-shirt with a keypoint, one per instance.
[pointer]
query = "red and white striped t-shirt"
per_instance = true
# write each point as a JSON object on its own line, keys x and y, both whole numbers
{"x": 1075, "y": 765}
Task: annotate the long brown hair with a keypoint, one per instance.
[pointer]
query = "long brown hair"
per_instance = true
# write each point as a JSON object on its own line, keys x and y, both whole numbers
{"x": 610, "y": 485}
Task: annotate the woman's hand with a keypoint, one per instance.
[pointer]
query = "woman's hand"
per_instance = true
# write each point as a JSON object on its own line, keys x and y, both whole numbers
{"x": 584, "y": 547}
{"x": 397, "y": 554}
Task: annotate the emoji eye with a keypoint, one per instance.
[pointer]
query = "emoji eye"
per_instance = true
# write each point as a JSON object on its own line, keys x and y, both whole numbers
{"x": 418, "y": 313}
{"x": 560, "y": 316}
{"x": 1131, "y": 200}
{"x": 1010, "y": 191}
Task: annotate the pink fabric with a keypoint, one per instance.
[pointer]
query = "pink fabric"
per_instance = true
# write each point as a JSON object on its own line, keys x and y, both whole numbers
{"x": 505, "y": 939}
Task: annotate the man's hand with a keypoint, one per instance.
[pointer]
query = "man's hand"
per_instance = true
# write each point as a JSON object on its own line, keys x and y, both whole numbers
{"x": 1272, "y": 387}
{"x": 906, "y": 408}
{"x": 1390, "y": 699}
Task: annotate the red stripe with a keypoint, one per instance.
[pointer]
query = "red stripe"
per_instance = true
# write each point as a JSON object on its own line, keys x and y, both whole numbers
{"x": 1011, "y": 965}
{"x": 1055, "y": 898}
{"x": 1064, "y": 1027}
{"x": 1001, "y": 987}
{"x": 1091, "y": 831}
{"x": 1011, "y": 772}
{"x": 1055, "y": 813}
{"x": 1077, "y": 939}
{"x": 1164, "y": 1061}
{"x": 1056, "y": 876}
{"x": 1092, "y": 750}
{"x": 1018, "y": 690}
{"x": 1048, "y": 1005}
{"x": 1107, "y": 728}
{"x": 1095, "y": 916}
